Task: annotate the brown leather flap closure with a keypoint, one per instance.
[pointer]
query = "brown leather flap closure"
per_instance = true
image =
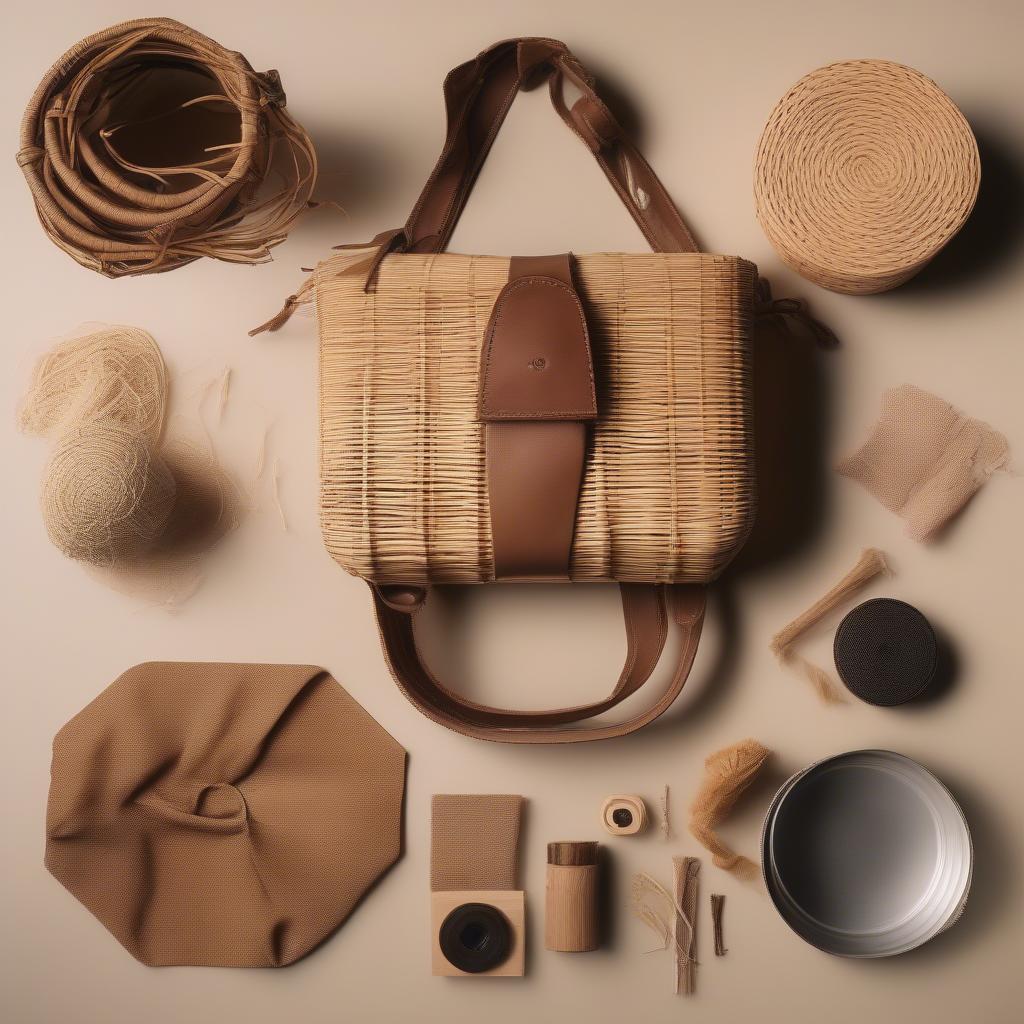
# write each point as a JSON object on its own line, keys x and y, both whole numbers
{"x": 536, "y": 363}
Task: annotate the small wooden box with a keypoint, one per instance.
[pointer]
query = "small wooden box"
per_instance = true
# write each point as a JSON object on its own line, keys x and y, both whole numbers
{"x": 511, "y": 903}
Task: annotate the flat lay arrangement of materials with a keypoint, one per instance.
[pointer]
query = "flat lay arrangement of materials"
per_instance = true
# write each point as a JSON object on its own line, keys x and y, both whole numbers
{"x": 579, "y": 418}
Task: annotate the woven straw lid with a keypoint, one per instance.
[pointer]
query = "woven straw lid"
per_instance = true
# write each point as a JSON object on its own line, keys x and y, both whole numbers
{"x": 865, "y": 170}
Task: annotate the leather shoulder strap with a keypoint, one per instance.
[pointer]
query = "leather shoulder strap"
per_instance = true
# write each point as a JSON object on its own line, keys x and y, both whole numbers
{"x": 644, "y": 609}
{"x": 478, "y": 95}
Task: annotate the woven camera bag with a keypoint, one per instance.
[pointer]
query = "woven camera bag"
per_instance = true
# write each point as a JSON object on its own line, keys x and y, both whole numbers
{"x": 582, "y": 418}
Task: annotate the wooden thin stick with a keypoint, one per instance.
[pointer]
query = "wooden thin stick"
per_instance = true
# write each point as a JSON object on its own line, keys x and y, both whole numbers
{"x": 717, "y": 906}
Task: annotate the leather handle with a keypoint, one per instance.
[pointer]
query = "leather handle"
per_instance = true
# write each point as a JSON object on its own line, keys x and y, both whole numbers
{"x": 478, "y": 95}
{"x": 644, "y": 610}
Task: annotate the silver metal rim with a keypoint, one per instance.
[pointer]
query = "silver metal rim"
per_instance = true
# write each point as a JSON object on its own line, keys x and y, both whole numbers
{"x": 949, "y": 902}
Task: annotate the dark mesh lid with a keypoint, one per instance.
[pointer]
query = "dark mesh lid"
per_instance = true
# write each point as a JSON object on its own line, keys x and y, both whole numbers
{"x": 885, "y": 651}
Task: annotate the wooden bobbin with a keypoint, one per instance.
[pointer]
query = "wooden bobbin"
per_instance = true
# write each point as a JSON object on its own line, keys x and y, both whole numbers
{"x": 571, "y": 913}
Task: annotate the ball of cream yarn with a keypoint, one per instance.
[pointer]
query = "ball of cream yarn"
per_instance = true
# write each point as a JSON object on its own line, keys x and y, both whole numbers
{"x": 106, "y": 496}
{"x": 865, "y": 170}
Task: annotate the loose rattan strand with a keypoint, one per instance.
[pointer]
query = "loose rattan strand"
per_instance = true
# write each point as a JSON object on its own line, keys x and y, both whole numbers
{"x": 235, "y": 169}
{"x": 865, "y": 170}
{"x": 668, "y": 486}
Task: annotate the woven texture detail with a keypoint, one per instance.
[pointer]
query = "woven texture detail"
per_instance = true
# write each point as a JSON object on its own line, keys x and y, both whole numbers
{"x": 474, "y": 841}
{"x": 865, "y": 170}
{"x": 668, "y": 489}
{"x": 223, "y": 815}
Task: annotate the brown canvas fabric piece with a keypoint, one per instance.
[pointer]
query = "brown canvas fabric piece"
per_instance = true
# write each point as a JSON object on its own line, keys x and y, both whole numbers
{"x": 924, "y": 459}
{"x": 474, "y": 841}
{"x": 220, "y": 814}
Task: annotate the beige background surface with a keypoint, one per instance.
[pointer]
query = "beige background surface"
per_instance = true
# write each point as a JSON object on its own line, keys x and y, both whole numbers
{"x": 365, "y": 80}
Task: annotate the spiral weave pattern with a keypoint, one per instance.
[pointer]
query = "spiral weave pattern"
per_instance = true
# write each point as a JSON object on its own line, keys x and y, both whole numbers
{"x": 106, "y": 495}
{"x": 148, "y": 145}
{"x": 865, "y": 170}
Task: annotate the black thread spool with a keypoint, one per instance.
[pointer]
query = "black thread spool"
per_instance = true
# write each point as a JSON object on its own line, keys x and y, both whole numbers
{"x": 476, "y": 937}
{"x": 886, "y": 652}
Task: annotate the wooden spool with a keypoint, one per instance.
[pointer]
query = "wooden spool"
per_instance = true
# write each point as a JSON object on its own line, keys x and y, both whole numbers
{"x": 571, "y": 913}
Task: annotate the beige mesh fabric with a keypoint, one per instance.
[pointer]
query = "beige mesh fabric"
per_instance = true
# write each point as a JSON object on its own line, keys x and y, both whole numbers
{"x": 223, "y": 815}
{"x": 924, "y": 459}
{"x": 668, "y": 488}
{"x": 117, "y": 495}
{"x": 727, "y": 773}
{"x": 870, "y": 564}
{"x": 474, "y": 841}
{"x": 148, "y": 145}
{"x": 110, "y": 373}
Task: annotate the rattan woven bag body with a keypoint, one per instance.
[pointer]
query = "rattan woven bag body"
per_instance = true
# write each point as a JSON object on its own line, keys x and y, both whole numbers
{"x": 581, "y": 418}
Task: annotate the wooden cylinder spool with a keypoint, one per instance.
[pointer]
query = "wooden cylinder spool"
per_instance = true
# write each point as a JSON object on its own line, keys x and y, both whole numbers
{"x": 571, "y": 913}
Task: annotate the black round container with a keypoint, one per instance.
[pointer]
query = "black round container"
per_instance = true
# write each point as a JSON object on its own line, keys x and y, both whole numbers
{"x": 885, "y": 652}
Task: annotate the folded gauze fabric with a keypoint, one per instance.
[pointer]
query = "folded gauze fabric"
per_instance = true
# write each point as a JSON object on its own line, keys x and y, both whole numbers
{"x": 223, "y": 815}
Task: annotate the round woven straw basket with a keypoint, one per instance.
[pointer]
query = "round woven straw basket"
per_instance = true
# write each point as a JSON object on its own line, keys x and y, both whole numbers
{"x": 865, "y": 170}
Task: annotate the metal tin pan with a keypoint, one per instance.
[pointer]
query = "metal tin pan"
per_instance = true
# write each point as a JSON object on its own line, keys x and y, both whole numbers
{"x": 866, "y": 854}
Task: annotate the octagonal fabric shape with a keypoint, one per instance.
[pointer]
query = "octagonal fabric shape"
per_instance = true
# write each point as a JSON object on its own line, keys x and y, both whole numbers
{"x": 223, "y": 815}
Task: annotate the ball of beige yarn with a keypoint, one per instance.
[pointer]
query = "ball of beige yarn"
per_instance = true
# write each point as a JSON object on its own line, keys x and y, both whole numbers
{"x": 106, "y": 496}
{"x": 865, "y": 170}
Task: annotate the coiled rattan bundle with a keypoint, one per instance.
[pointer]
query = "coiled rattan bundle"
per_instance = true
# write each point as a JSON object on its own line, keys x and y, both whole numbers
{"x": 865, "y": 170}
{"x": 148, "y": 145}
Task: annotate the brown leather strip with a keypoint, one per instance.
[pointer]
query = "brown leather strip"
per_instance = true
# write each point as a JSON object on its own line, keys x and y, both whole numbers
{"x": 646, "y": 635}
{"x": 643, "y": 610}
{"x": 478, "y": 95}
{"x": 534, "y": 472}
{"x": 535, "y": 360}
{"x": 536, "y": 387}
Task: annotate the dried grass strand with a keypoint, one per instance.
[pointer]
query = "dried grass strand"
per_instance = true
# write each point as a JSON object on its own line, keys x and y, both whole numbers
{"x": 870, "y": 564}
